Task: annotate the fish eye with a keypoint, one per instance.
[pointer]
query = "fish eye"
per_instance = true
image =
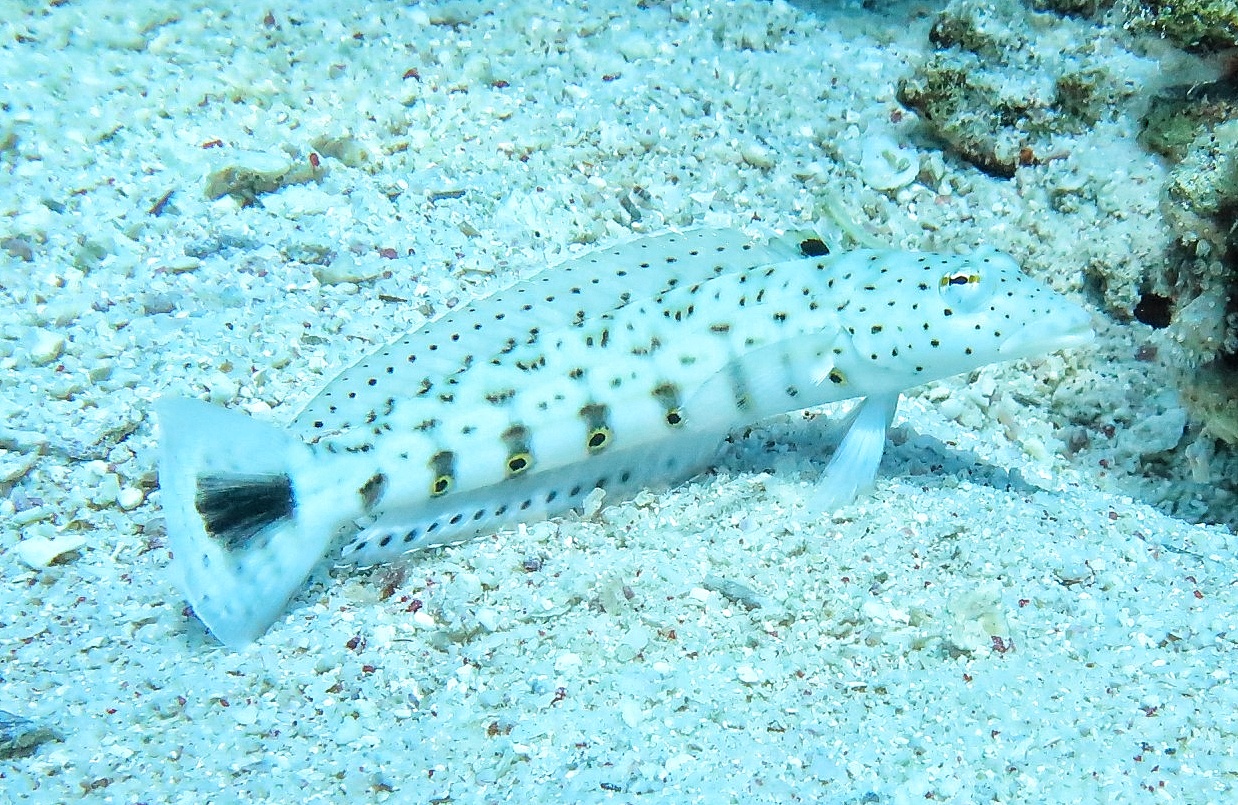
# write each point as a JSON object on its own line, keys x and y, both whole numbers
{"x": 960, "y": 278}
{"x": 963, "y": 291}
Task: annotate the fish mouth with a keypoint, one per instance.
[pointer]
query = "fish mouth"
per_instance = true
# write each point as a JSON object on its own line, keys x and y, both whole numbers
{"x": 1064, "y": 330}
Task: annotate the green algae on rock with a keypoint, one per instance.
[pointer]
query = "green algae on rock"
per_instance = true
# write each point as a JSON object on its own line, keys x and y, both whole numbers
{"x": 1198, "y": 26}
{"x": 999, "y": 97}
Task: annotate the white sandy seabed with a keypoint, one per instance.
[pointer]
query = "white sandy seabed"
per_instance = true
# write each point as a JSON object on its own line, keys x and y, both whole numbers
{"x": 997, "y": 622}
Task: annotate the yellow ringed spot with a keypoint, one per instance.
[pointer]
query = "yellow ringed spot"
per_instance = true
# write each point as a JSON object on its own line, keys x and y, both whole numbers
{"x": 674, "y": 418}
{"x": 442, "y": 468}
{"x": 518, "y": 463}
{"x": 960, "y": 279}
{"x": 836, "y": 376}
{"x": 599, "y": 439}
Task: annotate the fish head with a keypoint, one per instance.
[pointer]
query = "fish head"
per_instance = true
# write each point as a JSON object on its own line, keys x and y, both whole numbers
{"x": 921, "y": 316}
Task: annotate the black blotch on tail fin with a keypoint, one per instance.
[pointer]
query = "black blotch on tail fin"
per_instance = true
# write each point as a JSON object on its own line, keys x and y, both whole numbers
{"x": 237, "y": 508}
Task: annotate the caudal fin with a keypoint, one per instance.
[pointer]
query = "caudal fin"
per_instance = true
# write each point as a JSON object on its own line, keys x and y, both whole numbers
{"x": 241, "y": 546}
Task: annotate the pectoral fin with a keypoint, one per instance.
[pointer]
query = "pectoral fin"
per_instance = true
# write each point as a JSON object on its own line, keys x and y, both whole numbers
{"x": 855, "y": 462}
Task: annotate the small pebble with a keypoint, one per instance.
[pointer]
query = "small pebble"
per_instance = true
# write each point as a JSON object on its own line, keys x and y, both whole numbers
{"x": 48, "y": 346}
{"x": 886, "y": 166}
{"x": 21, "y": 736}
{"x": 592, "y": 504}
{"x": 182, "y": 265}
{"x": 245, "y": 716}
{"x": 130, "y": 498}
{"x": 155, "y": 303}
{"x": 248, "y": 174}
{"x": 347, "y": 268}
{"x": 100, "y": 371}
{"x": 13, "y": 469}
{"x": 19, "y": 248}
{"x": 567, "y": 661}
{"x": 733, "y": 591}
{"x": 758, "y": 156}
{"x": 488, "y": 619}
{"x": 40, "y": 552}
{"x": 223, "y": 389}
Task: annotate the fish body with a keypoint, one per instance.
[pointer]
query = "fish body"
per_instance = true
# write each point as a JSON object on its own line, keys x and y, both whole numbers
{"x": 618, "y": 370}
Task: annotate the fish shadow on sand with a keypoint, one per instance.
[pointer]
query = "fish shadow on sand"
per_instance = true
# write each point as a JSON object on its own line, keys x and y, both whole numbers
{"x": 915, "y": 457}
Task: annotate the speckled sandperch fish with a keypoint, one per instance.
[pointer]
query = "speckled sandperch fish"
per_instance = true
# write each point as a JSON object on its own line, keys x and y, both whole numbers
{"x": 616, "y": 370}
